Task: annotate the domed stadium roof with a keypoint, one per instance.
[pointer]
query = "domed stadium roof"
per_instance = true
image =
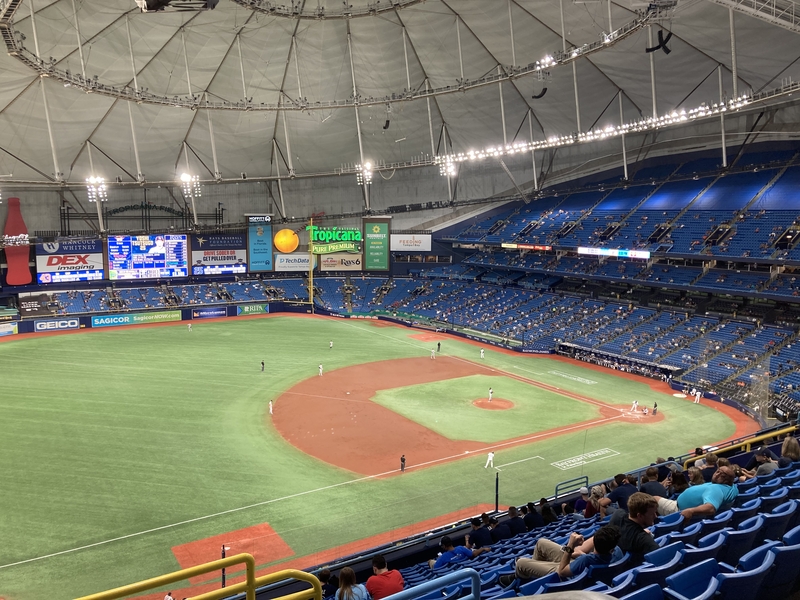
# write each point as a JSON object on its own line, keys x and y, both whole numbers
{"x": 315, "y": 87}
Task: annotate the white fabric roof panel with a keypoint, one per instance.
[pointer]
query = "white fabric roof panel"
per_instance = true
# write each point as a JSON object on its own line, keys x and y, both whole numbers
{"x": 324, "y": 140}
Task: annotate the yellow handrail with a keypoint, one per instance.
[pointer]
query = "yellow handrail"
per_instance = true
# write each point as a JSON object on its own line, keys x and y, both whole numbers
{"x": 745, "y": 445}
{"x": 249, "y": 585}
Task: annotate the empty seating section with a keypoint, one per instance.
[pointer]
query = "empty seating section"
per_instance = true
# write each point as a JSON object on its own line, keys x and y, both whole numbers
{"x": 733, "y": 192}
{"x": 738, "y": 280}
{"x": 246, "y": 291}
{"x": 525, "y": 216}
{"x": 362, "y": 298}
{"x": 641, "y": 335}
{"x": 671, "y": 274}
{"x": 709, "y": 343}
{"x": 329, "y": 293}
{"x": 689, "y": 231}
{"x": 677, "y": 339}
{"x": 477, "y": 231}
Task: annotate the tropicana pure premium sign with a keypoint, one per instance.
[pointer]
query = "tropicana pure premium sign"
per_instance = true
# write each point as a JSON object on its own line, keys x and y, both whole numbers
{"x": 326, "y": 240}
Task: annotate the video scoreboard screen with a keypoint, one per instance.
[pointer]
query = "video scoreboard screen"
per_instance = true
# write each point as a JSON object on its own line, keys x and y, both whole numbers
{"x": 147, "y": 256}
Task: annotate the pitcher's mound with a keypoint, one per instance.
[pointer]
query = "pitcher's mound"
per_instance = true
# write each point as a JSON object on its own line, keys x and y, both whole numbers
{"x": 495, "y": 404}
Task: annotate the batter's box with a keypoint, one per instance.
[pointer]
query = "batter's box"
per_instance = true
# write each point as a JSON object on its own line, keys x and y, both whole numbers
{"x": 583, "y": 459}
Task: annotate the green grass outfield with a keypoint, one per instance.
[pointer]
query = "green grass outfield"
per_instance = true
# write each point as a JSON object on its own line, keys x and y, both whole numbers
{"x": 107, "y": 434}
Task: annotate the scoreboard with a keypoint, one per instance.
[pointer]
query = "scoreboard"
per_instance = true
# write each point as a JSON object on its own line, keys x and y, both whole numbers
{"x": 147, "y": 256}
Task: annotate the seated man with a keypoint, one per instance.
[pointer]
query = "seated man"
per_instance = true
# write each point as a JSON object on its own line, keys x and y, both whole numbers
{"x": 549, "y": 557}
{"x": 533, "y": 519}
{"x": 515, "y": 522}
{"x": 703, "y": 500}
{"x": 621, "y": 493}
{"x": 634, "y": 537}
{"x": 480, "y": 537}
{"x": 766, "y": 466}
{"x": 384, "y": 582}
{"x": 652, "y": 485}
{"x": 710, "y": 468}
{"x": 500, "y": 531}
{"x": 451, "y": 552}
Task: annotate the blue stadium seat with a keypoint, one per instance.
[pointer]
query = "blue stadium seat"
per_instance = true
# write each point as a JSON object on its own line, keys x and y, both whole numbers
{"x": 688, "y": 536}
{"x": 748, "y": 509}
{"x": 747, "y": 484}
{"x": 791, "y": 477}
{"x": 606, "y": 573}
{"x": 794, "y": 491}
{"x": 717, "y": 523}
{"x": 530, "y": 588}
{"x": 651, "y": 592}
{"x": 777, "y": 497}
{"x": 657, "y": 573}
{"x": 770, "y": 485}
{"x": 777, "y": 522}
{"x": 623, "y": 584}
{"x": 668, "y": 524}
{"x": 705, "y": 580}
{"x": 743, "y": 497}
{"x": 575, "y": 583}
{"x": 707, "y": 547}
{"x": 738, "y": 542}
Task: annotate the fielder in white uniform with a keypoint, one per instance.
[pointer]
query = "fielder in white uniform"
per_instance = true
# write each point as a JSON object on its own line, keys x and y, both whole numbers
{"x": 489, "y": 460}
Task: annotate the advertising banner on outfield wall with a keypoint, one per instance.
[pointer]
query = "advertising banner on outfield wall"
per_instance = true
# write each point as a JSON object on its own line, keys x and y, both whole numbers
{"x": 252, "y": 309}
{"x": 209, "y": 313}
{"x": 342, "y": 261}
{"x": 136, "y": 318}
{"x": 65, "y": 261}
{"x": 56, "y": 324}
{"x": 402, "y": 242}
{"x": 293, "y": 262}
{"x": 219, "y": 254}
{"x": 259, "y": 243}
{"x": 376, "y": 243}
{"x": 8, "y": 329}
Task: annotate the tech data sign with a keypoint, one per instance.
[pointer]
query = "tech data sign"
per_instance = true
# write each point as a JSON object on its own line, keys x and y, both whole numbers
{"x": 327, "y": 240}
{"x": 56, "y": 325}
{"x": 293, "y": 262}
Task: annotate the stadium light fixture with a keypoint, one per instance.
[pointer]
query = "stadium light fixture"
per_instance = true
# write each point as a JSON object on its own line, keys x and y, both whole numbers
{"x": 191, "y": 188}
{"x": 96, "y": 189}
{"x": 364, "y": 174}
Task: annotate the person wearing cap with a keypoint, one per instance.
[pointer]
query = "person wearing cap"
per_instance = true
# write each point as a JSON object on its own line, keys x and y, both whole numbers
{"x": 580, "y": 503}
{"x": 753, "y": 463}
{"x": 451, "y": 553}
{"x": 766, "y": 466}
{"x": 479, "y": 537}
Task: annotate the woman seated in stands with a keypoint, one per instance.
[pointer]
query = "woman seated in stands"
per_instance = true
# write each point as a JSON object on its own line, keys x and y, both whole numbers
{"x": 696, "y": 476}
{"x": 790, "y": 451}
{"x": 348, "y": 588}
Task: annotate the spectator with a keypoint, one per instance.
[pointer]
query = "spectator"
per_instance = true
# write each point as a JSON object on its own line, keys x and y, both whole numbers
{"x": 515, "y": 522}
{"x": 703, "y": 500}
{"x": 753, "y": 463}
{"x": 593, "y": 507}
{"x": 384, "y": 582}
{"x": 348, "y": 588}
{"x": 700, "y": 463}
{"x": 739, "y": 475}
{"x": 533, "y": 519}
{"x": 480, "y": 537}
{"x": 652, "y": 486}
{"x": 710, "y": 468}
{"x": 451, "y": 553}
{"x": 632, "y": 523}
{"x": 329, "y": 583}
{"x": 679, "y": 484}
{"x": 790, "y": 451}
{"x": 583, "y": 501}
{"x": 547, "y": 512}
{"x": 696, "y": 476}
{"x": 550, "y": 557}
{"x": 623, "y": 491}
{"x": 500, "y": 531}
{"x": 569, "y": 514}
{"x": 766, "y": 465}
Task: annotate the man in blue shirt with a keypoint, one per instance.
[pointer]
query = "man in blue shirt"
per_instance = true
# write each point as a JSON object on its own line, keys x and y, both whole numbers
{"x": 451, "y": 553}
{"x": 549, "y": 557}
{"x": 704, "y": 500}
{"x": 623, "y": 491}
{"x": 480, "y": 537}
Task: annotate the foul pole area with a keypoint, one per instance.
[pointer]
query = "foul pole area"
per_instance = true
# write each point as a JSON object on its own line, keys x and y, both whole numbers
{"x": 311, "y": 263}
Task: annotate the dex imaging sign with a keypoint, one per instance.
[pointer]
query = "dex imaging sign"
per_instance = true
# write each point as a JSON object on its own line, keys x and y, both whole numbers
{"x": 56, "y": 325}
{"x": 69, "y": 260}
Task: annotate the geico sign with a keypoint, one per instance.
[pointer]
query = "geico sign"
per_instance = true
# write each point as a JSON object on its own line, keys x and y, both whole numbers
{"x": 50, "y": 325}
{"x": 68, "y": 260}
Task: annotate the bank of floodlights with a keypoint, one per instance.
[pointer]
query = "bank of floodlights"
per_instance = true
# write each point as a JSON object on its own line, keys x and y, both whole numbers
{"x": 191, "y": 185}
{"x": 364, "y": 174}
{"x": 96, "y": 189}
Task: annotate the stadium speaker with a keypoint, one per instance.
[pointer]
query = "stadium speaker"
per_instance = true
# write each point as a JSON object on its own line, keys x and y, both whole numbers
{"x": 386, "y": 125}
{"x": 540, "y": 94}
{"x": 244, "y": 175}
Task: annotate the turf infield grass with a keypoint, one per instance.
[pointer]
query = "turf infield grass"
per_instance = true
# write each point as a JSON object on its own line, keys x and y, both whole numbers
{"x": 446, "y": 408}
{"x": 110, "y": 433}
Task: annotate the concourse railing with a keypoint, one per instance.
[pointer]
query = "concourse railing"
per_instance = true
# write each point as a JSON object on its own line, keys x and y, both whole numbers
{"x": 248, "y": 586}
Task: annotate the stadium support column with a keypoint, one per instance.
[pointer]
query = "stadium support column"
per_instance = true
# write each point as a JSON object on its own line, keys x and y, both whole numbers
{"x": 241, "y": 65}
{"x": 56, "y": 168}
{"x": 217, "y": 173}
{"x": 652, "y": 69}
{"x": 733, "y": 53}
{"x": 511, "y": 35}
{"x": 574, "y": 67}
{"x": 365, "y": 187}
{"x": 722, "y": 118}
{"x": 190, "y": 185}
{"x": 502, "y": 106}
{"x": 99, "y": 200}
{"x": 430, "y": 118}
{"x": 276, "y": 154}
{"x": 533, "y": 151}
{"x": 405, "y": 57}
{"x": 139, "y": 174}
{"x": 624, "y": 149}
{"x": 78, "y": 34}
